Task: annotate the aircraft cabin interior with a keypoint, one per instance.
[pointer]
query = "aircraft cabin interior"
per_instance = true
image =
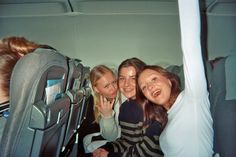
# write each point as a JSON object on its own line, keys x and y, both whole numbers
{"x": 86, "y": 33}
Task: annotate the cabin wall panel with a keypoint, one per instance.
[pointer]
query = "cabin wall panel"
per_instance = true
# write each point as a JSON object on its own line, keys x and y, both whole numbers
{"x": 98, "y": 39}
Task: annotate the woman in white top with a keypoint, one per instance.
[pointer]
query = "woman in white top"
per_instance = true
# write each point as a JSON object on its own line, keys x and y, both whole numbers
{"x": 188, "y": 132}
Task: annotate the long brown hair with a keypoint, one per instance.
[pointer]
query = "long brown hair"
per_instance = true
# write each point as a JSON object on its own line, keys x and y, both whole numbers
{"x": 154, "y": 111}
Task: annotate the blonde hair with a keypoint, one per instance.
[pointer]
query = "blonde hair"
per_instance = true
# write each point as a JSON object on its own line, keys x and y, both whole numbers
{"x": 96, "y": 73}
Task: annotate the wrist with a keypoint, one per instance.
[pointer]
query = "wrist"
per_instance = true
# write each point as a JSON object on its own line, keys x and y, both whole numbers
{"x": 108, "y": 115}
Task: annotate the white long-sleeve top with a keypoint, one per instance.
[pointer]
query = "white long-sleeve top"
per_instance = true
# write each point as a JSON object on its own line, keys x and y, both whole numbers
{"x": 109, "y": 127}
{"x": 189, "y": 132}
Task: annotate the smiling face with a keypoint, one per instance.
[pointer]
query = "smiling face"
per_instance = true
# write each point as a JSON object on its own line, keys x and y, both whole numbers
{"x": 127, "y": 82}
{"x": 107, "y": 86}
{"x": 155, "y": 87}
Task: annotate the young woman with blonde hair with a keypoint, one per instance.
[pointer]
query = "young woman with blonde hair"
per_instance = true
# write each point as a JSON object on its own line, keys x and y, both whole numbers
{"x": 106, "y": 107}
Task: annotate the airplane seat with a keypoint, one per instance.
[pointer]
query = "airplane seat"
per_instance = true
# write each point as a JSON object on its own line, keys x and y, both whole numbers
{"x": 79, "y": 91}
{"x": 208, "y": 72}
{"x": 39, "y": 107}
{"x": 223, "y": 102}
{"x": 85, "y": 86}
{"x": 86, "y": 123}
{"x": 178, "y": 70}
{"x": 74, "y": 91}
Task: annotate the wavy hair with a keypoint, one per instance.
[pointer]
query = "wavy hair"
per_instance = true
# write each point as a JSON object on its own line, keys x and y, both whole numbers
{"x": 21, "y": 45}
{"x": 155, "y": 111}
{"x": 8, "y": 60}
{"x": 11, "y": 50}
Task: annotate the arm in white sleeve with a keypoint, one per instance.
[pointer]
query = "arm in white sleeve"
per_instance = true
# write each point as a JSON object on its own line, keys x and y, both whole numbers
{"x": 109, "y": 126}
{"x": 195, "y": 81}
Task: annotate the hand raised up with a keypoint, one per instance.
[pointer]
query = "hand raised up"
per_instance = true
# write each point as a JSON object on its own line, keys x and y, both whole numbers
{"x": 105, "y": 106}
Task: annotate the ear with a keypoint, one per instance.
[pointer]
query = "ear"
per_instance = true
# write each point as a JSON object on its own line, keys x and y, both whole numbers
{"x": 170, "y": 83}
{"x": 96, "y": 90}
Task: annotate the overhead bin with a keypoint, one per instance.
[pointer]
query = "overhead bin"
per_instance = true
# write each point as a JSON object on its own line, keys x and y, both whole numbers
{"x": 124, "y": 7}
{"x": 222, "y": 7}
{"x": 10, "y": 8}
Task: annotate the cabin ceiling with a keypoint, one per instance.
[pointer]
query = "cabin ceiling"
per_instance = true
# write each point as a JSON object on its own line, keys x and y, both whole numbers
{"x": 55, "y": 7}
{"x": 110, "y": 28}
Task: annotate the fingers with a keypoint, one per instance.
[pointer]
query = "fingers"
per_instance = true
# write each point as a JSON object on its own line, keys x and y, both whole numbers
{"x": 105, "y": 103}
{"x": 101, "y": 99}
{"x": 105, "y": 107}
{"x": 112, "y": 102}
{"x": 103, "y": 153}
{"x": 98, "y": 152}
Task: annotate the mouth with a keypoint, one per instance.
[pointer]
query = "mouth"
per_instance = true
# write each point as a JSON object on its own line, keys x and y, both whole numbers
{"x": 128, "y": 90}
{"x": 114, "y": 95}
{"x": 156, "y": 93}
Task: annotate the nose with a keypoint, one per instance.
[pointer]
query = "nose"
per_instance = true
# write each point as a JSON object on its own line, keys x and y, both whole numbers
{"x": 150, "y": 86}
{"x": 126, "y": 82}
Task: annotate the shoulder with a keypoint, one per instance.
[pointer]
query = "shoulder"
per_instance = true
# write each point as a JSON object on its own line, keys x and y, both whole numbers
{"x": 154, "y": 128}
{"x": 131, "y": 105}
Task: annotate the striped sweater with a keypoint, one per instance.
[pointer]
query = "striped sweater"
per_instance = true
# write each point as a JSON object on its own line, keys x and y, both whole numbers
{"x": 134, "y": 140}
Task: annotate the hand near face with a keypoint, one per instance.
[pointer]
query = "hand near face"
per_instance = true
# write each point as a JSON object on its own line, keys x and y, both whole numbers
{"x": 105, "y": 106}
{"x": 100, "y": 152}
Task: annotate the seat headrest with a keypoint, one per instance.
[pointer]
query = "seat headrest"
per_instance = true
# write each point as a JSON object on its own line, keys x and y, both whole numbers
{"x": 208, "y": 71}
{"x": 179, "y": 71}
{"x": 230, "y": 77}
{"x": 36, "y": 68}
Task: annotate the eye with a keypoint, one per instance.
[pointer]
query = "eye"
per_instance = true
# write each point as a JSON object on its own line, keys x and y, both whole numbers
{"x": 107, "y": 86}
{"x": 114, "y": 82}
{"x": 154, "y": 79}
{"x": 121, "y": 78}
{"x": 143, "y": 88}
{"x": 133, "y": 78}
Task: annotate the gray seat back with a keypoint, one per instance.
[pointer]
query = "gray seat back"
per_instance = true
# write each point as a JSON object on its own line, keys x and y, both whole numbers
{"x": 79, "y": 91}
{"x": 177, "y": 70}
{"x": 87, "y": 94}
{"x": 75, "y": 93}
{"x": 39, "y": 107}
{"x": 223, "y": 106}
